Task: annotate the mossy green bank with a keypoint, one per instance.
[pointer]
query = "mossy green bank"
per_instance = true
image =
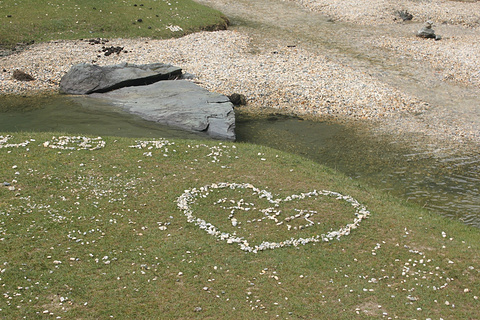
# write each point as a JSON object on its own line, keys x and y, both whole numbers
{"x": 94, "y": 234}
{"x": 25, "y": 21}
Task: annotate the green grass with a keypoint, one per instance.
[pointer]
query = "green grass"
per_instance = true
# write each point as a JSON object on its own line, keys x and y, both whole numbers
{"x": 98, "y": 234}
{"x": 24, "y": 21}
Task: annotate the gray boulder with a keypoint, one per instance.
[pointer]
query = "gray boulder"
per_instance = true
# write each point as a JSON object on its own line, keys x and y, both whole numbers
{"x": 178, "y": 103}
{"x": 88, "y": 78}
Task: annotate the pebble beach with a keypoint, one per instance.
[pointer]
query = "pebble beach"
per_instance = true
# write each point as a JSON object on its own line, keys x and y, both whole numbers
{"x": 292, "y": 79}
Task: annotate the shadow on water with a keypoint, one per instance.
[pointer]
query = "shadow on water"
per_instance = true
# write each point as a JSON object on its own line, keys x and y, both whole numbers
{"x": 437, "y": 179}
{"x": 66, "y": 115}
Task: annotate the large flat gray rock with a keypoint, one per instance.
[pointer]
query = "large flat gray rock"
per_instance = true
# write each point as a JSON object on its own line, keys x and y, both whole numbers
{"x": 178, "y": 103}
{"x": 88, "y": 78}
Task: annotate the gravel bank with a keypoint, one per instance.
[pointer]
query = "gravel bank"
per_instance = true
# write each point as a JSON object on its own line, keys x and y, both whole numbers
{"x": 287, "y": 78}
{"x": 372, "y": 12}
{"x": 456, "y": 57}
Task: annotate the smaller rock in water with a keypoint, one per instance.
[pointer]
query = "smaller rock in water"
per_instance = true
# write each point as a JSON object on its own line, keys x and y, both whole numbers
{"x": 426, "y": 31}
{"x": 22, "y": 76}
{"x": 237, "y": 99}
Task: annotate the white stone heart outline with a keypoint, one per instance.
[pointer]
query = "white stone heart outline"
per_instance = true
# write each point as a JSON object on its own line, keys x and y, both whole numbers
{"x": 188, "y": 198}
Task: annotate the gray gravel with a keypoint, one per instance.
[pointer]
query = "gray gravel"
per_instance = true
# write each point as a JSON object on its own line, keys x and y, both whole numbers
{"x": 290, "y": 79}
{"x": 371, "y": 12}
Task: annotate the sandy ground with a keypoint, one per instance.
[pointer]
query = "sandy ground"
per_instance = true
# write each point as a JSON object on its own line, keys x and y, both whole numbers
{"x": 294, "y": 79}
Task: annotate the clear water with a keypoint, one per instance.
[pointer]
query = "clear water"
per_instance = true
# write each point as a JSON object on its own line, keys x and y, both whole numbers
{"x": 69, "y": 115}
{"x": 441, "y": 180}
{"x": 438, "y": 179}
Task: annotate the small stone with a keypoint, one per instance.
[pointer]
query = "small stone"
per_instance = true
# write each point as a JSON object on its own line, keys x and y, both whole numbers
{"x": 405, "y": 15}
{"x": 197, "y": 309}
{"x": 237, "y": 99}
{"x": 22, "y": 76}
{"x": 412, "y": 298}
{"x": 6, "y": 184}
{"x": 426, "y": 31}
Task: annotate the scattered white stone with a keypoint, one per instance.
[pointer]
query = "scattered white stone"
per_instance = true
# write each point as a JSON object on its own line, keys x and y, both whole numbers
{"x": 75, "y": 143}
{"x": 174, "y": 28}
{"x": 4, "y": 144}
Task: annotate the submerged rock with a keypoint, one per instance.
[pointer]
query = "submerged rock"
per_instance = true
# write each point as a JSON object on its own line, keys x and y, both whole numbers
{"x": 178, "y": 103}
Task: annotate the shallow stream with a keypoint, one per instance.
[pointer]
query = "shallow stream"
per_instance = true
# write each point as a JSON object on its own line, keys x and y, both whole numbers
{"x": 443, "y": 180}
{"x": 446, "y": 182}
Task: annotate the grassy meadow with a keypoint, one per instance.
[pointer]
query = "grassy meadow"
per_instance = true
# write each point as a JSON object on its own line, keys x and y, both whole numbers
{"x": 24, "y": 21}
{"x": 96, "y": 229}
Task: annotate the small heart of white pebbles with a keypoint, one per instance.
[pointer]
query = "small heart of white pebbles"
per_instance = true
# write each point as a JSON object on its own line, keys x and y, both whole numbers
{"x": 189, "y": 197}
